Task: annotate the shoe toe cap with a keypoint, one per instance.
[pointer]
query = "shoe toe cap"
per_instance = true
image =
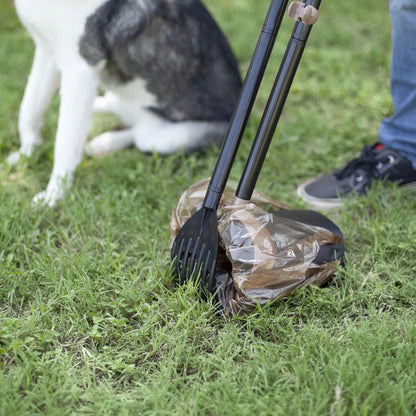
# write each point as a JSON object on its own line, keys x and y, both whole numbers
{"x": 320, "y": 192}
{"x": 323, "y": 187}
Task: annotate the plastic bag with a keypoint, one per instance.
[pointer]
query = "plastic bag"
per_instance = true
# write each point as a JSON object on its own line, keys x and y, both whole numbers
{"x": 262, "y": 256}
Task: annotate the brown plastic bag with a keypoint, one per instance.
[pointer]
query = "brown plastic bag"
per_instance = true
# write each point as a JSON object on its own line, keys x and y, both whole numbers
{"x": 263, "y": 257}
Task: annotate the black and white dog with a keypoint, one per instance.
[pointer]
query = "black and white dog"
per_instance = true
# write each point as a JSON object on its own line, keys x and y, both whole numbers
{"x": 165, "y": 67}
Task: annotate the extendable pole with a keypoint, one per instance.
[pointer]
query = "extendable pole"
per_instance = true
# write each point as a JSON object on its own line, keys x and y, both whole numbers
{"x": 305, "y": 14}
{"x": 247, "y": 97}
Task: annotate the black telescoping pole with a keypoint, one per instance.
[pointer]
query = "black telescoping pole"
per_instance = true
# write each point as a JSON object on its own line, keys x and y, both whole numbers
{"x": 248, "y": 93}
{"x": 274, "y": 106}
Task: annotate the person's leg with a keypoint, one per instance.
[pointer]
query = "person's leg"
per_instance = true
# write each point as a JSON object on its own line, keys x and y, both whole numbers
{"x": 399, "y": 131}
{"x": 394, "y": 158}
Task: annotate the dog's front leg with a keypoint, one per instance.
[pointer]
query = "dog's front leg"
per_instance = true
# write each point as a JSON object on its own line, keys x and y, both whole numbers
{"x": 79, "y": 86}
{"x": 43, "y": 82}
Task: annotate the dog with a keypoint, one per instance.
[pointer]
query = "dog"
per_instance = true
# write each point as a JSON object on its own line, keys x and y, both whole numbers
{"x": 164, "y": 67}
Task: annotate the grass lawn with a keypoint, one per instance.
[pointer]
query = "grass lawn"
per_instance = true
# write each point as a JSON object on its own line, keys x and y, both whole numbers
{"x": 89, "y": 321}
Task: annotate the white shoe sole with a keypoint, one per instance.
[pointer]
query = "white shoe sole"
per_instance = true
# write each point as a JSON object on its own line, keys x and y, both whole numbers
{"x": 319, "y": 203}
{"x": 327, "y": 204}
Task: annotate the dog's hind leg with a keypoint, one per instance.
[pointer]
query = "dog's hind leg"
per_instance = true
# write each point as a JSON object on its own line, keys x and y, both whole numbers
{"x": 43, "y": 82}
{"x": 110, "y": 141}
{"x": 169, "y": 137}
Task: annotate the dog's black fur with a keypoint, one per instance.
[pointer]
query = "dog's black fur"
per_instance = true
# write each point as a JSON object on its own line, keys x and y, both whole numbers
{"x": 175, "y": 46}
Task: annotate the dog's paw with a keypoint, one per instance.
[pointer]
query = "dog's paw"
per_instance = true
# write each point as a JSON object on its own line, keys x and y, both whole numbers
{"x": 14, "y": 158}
{"x": 50, "y": 196}
{"x": 42, "y": 198}
{"x": 39, "y": 199}
{"x": 24, "y": 151}
{"x": 109, "y": 141}
{"x": 46, "y": 199}
{"x": 99, "y": 145}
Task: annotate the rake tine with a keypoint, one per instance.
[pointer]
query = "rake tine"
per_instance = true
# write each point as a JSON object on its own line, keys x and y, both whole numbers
{"x": 211, "y": 278}
{"x": 192, "y": 272}
{"x": 200, "y": 263}
{"x": 204, "y": 266}
{"x": 183, "y": 275}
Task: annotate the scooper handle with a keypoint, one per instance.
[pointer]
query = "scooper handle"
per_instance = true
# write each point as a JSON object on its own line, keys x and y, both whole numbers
{"x": 246, "y": 100}
{"x": 275, "y": 104}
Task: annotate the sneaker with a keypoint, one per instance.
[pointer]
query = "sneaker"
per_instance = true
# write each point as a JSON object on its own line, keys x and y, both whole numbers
{"x": 375, "y": 162}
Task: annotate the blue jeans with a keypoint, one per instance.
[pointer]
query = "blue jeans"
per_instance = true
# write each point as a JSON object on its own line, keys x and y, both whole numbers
{"x": 399, "y": 131}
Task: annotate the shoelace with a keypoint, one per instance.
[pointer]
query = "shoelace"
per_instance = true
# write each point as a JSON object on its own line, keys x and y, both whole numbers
{"x": 366, "y": 161}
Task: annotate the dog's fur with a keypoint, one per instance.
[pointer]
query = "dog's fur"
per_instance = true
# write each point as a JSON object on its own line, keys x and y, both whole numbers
{"x": 165, "y": 66}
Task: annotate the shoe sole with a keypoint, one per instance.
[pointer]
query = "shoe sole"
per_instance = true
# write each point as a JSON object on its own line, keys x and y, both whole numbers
{"x": 323, "y": 204}
{"x": 409, "y": 186}
{"x": 327, "y": 204}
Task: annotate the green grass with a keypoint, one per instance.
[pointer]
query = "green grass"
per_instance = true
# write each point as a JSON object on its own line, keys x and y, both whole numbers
{"x": 89, "y": 321}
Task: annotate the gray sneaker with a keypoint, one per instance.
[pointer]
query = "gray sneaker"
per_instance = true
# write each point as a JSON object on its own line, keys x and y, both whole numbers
{"x": 375, "y": 162}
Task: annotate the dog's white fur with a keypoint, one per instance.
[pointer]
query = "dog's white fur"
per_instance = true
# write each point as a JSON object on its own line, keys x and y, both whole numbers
{"x": 56, "y": 27}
